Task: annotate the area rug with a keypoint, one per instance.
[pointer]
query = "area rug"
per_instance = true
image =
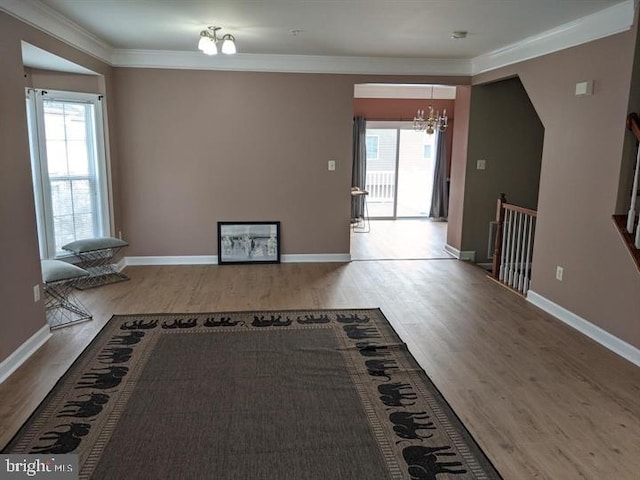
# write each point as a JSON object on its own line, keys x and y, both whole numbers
{"x": 331, "y": 394}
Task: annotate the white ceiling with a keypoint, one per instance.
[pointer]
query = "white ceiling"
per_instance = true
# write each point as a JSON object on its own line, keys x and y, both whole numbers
{"x": 368, "y": 28}
{"x": 347, "y": 36}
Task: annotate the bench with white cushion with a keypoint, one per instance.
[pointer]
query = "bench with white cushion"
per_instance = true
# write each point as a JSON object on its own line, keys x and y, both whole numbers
{"x": 62, "y": 306}
{"x": 95, "y": 255}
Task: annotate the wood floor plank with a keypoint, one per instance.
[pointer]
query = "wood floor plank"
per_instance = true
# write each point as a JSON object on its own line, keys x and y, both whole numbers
{"x": 407, "y": 238}
{"x": 542, "y": 400}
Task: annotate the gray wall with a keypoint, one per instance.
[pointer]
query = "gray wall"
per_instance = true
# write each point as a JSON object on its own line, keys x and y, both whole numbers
{"x": 504, "y": 130}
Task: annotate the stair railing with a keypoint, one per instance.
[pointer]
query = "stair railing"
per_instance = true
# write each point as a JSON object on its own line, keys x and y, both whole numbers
{"x": 634, "y": 125}
{"x": 513, "y": 246}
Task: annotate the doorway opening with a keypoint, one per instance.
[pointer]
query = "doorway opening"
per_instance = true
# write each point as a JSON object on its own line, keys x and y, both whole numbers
{"x": 400, "y": 172}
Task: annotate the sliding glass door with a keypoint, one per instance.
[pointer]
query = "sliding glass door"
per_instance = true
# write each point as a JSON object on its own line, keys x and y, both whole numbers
{"x": 382, "y": 154}
{"x": 400, "y": 164}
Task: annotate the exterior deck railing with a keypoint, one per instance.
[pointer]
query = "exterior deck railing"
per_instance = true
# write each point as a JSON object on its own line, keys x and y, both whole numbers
{"x": 381, "y": 186}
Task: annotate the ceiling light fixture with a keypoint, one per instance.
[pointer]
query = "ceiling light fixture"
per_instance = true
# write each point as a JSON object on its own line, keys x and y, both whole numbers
{"x": 208, "y": 43}
{"x": 434, "y": 121}
{"x": 459, "y": 34}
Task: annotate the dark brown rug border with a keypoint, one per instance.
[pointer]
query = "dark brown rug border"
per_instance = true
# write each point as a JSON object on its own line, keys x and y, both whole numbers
{"x": 464, "y": 431}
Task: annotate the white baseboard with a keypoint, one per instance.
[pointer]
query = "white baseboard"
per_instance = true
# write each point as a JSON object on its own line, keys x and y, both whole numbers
{"x": 23, "y": 352}
{"x": 172, "y": 260}
{"x": 120, "y": 264}
{"x": 213, "y": 259}
{"x": 467, "y": 256}
{"x": 316, "y": 258}
{"x": 587, "y": 328}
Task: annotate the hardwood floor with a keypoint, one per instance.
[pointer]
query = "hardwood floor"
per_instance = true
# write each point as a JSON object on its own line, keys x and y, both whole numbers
{"x": 401, "y": 240}
{"x": 543, "y": 401}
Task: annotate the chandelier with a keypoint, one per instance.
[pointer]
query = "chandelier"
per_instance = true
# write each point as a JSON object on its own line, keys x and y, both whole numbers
{"x": 208, "y": 43}
{"x": 432, "y": 122}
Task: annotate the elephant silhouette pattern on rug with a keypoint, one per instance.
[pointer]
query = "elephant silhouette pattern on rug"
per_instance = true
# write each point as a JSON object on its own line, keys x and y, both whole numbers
{"x": 414, "y": 433}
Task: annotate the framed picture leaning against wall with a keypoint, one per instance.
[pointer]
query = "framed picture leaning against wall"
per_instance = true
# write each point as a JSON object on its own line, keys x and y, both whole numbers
{"x": 248, "y": 242}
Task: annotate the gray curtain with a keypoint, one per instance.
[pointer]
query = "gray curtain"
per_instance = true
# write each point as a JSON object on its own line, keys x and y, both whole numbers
{"x": 440, "y": 196}
{"x": 359, "y": 168}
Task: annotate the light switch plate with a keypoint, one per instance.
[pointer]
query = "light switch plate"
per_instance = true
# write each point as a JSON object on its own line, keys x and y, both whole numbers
{"x": 331, "y": 165}
{"x": 584, "y": 88}
{"x": 481, "y": 164}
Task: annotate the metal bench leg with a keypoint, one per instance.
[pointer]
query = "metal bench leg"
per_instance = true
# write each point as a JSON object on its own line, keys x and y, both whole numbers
{"x": 62, "y": 306}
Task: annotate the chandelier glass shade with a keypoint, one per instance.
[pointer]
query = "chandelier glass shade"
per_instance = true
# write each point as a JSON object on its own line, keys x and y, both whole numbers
{"x": 208, "y": 43}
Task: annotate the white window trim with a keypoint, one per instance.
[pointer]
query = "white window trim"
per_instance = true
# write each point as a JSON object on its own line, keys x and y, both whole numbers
{"x": 41, "y": 187}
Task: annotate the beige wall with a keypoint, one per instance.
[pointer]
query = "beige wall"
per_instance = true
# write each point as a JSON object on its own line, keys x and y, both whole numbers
{"x": 505, "y": 131}
{"x": 398, "y": 108}
{"x": 69, "y": 82}
{"x": 458, "y": 166}
{"x": 20, "y": 317}
{"x": 199, "y": 147}
{"x": 581, "y": 160}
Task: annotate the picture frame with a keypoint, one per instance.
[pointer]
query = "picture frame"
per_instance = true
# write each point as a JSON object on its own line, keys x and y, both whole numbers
{"x": 248, "y": 242}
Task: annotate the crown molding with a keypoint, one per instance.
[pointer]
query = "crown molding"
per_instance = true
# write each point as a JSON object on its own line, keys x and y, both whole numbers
{"x": 44, "y": 18}
{"x": 290, "y": 63}
{"x": 612, "y": 20}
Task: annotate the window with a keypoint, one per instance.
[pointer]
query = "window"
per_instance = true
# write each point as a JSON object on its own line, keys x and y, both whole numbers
{"x": 400, "y": 178}
{"x": 68, "y": 167}
{"x": 372, "y": 147}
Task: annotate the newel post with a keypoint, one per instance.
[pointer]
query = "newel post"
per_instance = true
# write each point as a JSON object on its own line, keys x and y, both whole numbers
{"x": 497, "y": 247}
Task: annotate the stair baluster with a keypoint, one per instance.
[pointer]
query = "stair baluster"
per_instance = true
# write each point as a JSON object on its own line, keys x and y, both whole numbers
{"x": 513, "y": 245}
{"x": 633, "y": 124}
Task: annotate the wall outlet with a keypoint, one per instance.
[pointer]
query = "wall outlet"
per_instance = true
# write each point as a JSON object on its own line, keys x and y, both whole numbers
{"x": 120, "y": 234}
{"x": 481, "y": 165}
{"x": 331, "y": 165}
{"x": 559, "y": 273}
{"x": 36, "y": 293}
